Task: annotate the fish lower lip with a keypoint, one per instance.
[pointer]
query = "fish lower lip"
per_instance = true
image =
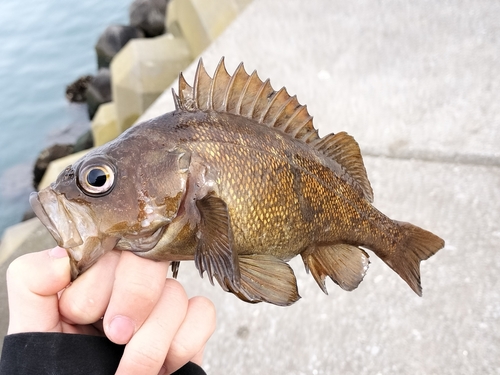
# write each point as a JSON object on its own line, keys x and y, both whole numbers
{"x": 44, "y": 217}
{"x": 53, "y": 214}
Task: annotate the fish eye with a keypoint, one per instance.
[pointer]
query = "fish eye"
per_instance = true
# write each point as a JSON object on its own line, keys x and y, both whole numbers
{"x": 96, "y": 180}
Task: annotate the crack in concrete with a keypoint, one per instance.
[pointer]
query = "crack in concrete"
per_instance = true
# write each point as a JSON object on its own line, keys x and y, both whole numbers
{"x": 491, "y": 160}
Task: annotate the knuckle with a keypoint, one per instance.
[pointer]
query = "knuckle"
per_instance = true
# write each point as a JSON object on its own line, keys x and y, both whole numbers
{"x": 205, "y": 308}
{"x": 146, "y": 360}
{"x": 179, "y": 349}
{"x": 176, "y": 292}
{"x": 144, "y": 291}
{"x": 81, "y": 310}
{"x": 204, "y": 304}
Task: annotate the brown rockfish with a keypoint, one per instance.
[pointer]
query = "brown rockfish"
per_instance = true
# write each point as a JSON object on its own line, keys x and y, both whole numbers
{"x": 238, "y": 179}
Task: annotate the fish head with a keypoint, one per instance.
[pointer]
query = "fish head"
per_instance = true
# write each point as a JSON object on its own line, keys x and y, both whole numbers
{"x": 120, "y": 196}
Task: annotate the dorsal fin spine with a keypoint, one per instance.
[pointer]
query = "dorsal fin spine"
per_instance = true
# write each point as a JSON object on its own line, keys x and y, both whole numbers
{"x": 276, "y": 94}
{"x": 319, "y": 144}
{"x": 257, "y": 96}
{"x": 309, "y": 137}
{"x": 285, "y": 125}
{"x": 239, "y": 81}
{"x": 247, "y": 99}
{"x": 176, "y": 100}
{"x": 298, "y": 129}
{"x": 213, "y": 82}
{"x": 292, "y": 118}
{"x": 230, "y": 86}
{"x": 221, "y": 79}
{"x": 281, "y": 111}
{"x": 196, "y": 92}
{"x": 182, "y": 84}
{"x": 185, "y": 93}
{"x": 244, "y": 92}
{"x": 286, "y": 110}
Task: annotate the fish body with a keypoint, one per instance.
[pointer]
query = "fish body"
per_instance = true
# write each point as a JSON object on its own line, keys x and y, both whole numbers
{"x": 238, "y": 180}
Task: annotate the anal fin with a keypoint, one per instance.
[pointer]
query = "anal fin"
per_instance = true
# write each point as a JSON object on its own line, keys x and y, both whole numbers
{"x": 346, "y": 265}
{"x": 265, "y": 278}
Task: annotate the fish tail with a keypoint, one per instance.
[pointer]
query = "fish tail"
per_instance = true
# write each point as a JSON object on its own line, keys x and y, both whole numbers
{"x": 417, "y": 245}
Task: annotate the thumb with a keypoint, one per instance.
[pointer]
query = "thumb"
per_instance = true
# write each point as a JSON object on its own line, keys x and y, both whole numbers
{"x": 33, "y": 281}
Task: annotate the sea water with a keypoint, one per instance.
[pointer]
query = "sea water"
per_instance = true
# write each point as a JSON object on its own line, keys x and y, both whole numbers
{"x": 44, "y": 46}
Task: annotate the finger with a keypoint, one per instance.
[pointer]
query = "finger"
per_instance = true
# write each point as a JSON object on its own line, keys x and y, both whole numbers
{"x": 33, "y": 282}
{"x": 137, "y": 287}
{"x": 147, "y": 350}
{"x": 86, "y": 300}
{"x": 190, "y": 339}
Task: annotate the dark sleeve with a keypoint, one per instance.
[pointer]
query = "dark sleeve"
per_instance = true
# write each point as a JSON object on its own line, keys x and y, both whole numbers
{"x": 62, "y": 353}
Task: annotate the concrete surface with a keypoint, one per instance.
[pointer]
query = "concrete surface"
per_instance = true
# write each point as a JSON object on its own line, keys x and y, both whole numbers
{"x": 141, "y": 71}
{"x": 104, "y": 125}
{"x": 200, "y": 22}
{"x": 417, "y": 84}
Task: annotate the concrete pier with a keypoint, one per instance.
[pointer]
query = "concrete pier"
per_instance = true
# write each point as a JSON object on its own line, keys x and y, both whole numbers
{"x": 417, "y": 84}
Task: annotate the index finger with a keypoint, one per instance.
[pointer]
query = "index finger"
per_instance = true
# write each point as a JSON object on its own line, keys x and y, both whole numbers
{"x": 136, "y": 290}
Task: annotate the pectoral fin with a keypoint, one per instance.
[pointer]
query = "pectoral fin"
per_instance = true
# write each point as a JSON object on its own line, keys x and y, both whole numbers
{"x": 214, "y": 253}
{"x": 265, "y": 278}
{"x": 346, "y": 265}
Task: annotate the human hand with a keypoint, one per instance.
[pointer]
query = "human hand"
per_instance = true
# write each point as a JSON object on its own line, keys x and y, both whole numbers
{"x": 163, "y": 330}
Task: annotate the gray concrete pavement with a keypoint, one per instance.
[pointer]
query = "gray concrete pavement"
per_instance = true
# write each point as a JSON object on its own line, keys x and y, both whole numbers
{"x": 417, "y": 84}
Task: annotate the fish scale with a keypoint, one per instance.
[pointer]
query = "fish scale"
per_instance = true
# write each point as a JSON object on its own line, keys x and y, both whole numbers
{"x": 238, "y": 180}
{"x": 257, "y": 204}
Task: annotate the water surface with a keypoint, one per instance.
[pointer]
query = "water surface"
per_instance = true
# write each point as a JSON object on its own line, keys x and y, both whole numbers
{"x": 44, "y": 46}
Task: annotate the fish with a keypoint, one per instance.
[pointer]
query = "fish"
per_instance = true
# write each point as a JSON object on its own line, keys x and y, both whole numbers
{"x": 237, "y": 179}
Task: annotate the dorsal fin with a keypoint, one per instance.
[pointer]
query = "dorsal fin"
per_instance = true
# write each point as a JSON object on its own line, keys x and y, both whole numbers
{"x": 248, "y": 96}
{"x": 342, "y": 148}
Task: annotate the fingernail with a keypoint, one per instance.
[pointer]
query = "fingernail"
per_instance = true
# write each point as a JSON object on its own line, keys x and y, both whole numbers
{"x": 58, "y": 252}
{"x": 120, "y": 329}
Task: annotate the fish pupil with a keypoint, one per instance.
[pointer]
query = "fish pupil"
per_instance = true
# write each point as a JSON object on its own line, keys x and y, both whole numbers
{"x": 96, "y": 177}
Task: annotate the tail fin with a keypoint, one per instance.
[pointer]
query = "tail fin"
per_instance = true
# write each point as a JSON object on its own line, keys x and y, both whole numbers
{"x": 417, "y": 245}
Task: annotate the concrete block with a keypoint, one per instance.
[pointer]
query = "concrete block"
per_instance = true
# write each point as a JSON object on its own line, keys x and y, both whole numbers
{"x": 142, "y": 70}
{"x": 112, "y": 40}
{"x": 149, "y": 16}
{"x": 241, "y": 4}
{"x": 57, "y": 166}
{"x": 104, "y": 125}
{"x": 201, "y": 21}
{"x": 98, "y": 91}
{"x": 172, "y": 20}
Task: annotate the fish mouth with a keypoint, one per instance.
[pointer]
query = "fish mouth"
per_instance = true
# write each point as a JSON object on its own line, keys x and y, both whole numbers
{"x": 55, "y": 218}
{"x": 73, "y": 229}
